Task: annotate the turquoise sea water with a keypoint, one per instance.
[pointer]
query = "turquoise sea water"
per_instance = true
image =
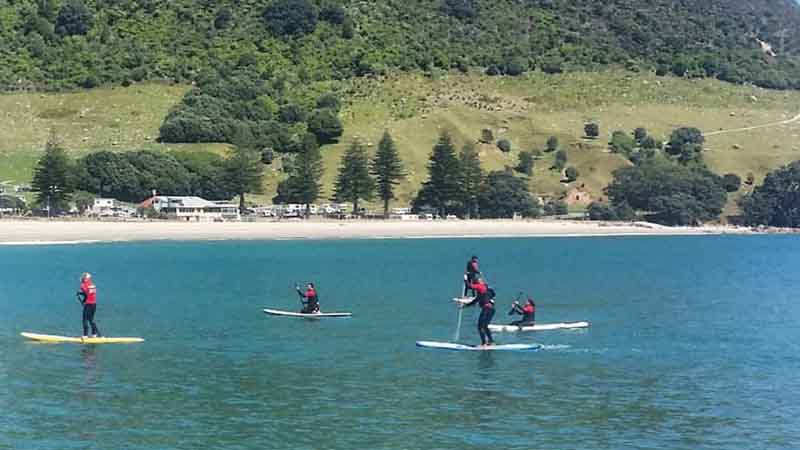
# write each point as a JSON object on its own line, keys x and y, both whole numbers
{"x": 695, "y": 343}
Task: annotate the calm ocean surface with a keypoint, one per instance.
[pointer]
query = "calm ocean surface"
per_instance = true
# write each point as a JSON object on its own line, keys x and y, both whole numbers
{"x": 694, "y": 344}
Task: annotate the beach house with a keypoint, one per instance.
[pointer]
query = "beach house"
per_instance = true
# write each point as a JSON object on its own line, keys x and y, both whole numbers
{"x": 192, "y": 209}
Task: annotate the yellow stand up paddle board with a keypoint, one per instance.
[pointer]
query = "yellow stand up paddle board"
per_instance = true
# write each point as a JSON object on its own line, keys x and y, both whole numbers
{"x": 49, "y": 338}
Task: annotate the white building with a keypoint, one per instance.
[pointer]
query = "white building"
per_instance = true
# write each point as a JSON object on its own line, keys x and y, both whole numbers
{"x": 193, "y": 209}
{"x": 103, "y": 207}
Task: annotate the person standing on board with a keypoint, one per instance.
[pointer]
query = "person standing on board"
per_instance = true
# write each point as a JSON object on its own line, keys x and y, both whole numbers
{"x": 309, "y": 298}
{"x": 527, "y": 311}
{"x": 87, "y": 295}
{"x": 484, "y": 299}
{"x": 471, "y": 274}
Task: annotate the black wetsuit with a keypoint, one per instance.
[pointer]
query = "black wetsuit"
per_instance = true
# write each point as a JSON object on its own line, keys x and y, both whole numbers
{"x": 472, "y": 273}
{"x": 484, "y": 300}
{"x": 527, "y": 318}
{"x": 88, "y": 315}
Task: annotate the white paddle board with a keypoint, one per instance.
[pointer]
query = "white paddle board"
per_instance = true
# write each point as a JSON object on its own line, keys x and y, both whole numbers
{"x": 319, "y": 315}
{"x": 539, "y": 327}
{"x": 53, "y": 339}
{"x": 464, "y": 347}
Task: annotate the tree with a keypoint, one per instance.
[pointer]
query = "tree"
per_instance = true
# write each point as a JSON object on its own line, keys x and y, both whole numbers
{"x": 731, "y": 182}
{"x": 290, "y": 17}
{"x": 556, "y": 208}
{"x": 471, "y": 179}
{"x": 52, "y": 177}
{"x": 776, "y": 202}
{"x": 487, "y": 137}
{"x": 223, "y": 18}
{"x": 649, "y": 143}
{"x": 669, "y": 193}
{"x": 526, "y": 163}
{"x": 304, "y": 183}
{"x": 329, "y": 101}
{"x": 591, "y": 130}
{"x": 639, "y": 134}
{"x": 604, "y": 211}
{"x": 561, "y": 160}
{"x": 74, "y": 18}
{"x": 83, "y": 201}
{"x": 683, "y": 137}
{"x": 622, "y": 143}
{"x": 461, "y": 9}
{"x": 333, "y": 13}
{"x": 387, "y": 168}
{"x": 442, "y": 190}
{"x": 571, "y": 174}
{"x": 353, "y": 182}
{"x": 552, "y": 144}
{"x": 503, "y": 195}
{"x": 504, "y": 145}
{"x": 325, "y": 125}
{"x": 244, "y": 172}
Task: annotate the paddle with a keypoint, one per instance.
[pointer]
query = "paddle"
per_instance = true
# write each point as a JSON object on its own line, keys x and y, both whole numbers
{"x": 302, "y": 297}
{"x": 460, "y": 314}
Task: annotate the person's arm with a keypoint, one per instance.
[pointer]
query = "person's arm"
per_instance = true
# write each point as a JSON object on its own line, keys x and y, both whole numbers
{"x": 81, "y": 296}
{"x": 301, "y": 294}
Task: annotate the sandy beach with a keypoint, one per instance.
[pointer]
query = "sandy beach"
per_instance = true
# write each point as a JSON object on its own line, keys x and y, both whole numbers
{"x": 22, "y": 232}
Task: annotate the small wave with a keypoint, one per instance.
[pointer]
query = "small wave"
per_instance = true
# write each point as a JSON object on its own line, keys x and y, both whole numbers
{"x": 76, "y": 242}
{"x": 556, "y": 347}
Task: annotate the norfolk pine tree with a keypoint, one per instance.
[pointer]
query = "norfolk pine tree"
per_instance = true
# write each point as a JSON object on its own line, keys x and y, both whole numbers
{"x": 443, "y": 188}
{"x": 52, "y": 177}
{"x": 387, "y": 169}
{"x": 353, "y": 182}
{"x": 243, "y": 171}
{"x": 471, "y": 179}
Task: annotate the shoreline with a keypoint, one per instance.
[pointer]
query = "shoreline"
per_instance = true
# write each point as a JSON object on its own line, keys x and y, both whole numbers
{"x": 44, "y": 232}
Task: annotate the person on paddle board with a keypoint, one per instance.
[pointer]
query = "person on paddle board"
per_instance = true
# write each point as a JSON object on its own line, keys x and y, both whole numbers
{"x": 87, "y": 295}
{"x": 471, "y": 273}
{"x": 485, "y": 299}
{"x": 527, "y": 311}
{"x": 309, "y": 298}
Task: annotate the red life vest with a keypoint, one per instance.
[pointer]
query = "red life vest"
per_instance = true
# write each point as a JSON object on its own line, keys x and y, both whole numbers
{"x": 528, "y": 309}
{"x": 90, "y": 291}
{"x": 311, "y": 293}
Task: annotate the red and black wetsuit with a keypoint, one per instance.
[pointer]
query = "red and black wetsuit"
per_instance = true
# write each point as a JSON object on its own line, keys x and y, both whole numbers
{"x": 88, "y": 296}
{"x": 527, "y": 311}
{"x": 484, "y": 300}
{"x": 310, "y": 300}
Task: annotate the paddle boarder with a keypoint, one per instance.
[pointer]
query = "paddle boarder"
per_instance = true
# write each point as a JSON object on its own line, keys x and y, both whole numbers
{"x": 471, "y": 273}
{"x": 527, "y": 311}
{"x": 309, "y": 298}
{"x": 485, "y": 299}
{"x": 87, "y": 295}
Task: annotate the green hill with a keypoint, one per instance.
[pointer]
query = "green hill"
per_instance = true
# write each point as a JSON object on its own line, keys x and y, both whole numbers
{"x": 54, "y": 44}
{"x": 526, "y": 110}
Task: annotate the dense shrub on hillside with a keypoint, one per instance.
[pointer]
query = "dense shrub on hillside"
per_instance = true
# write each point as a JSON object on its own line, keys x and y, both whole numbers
{"x": 234, "y": 101}
{"x": 74, "y": 18}
{"x": 290, "y": 17}
{"x": 669, "y": 193}
{"x": 133, "y": 176}
{"x": 605, "y": 211}
{"x": 319, "y": 40}
{"x": 776, "y": 202}
{"x": 504, "y": 195}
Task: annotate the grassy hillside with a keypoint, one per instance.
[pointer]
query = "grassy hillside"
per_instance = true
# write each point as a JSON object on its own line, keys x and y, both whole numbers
{"x": 526, "y": 110}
